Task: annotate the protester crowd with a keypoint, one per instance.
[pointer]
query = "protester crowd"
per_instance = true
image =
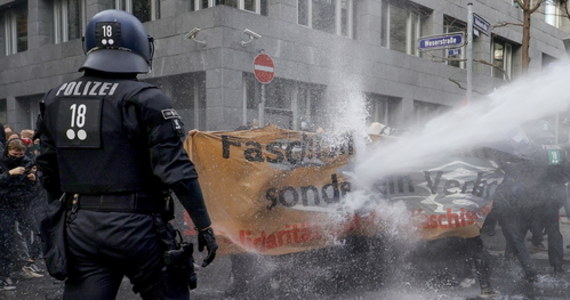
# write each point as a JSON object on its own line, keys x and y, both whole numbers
{"x": 20, "y": 201}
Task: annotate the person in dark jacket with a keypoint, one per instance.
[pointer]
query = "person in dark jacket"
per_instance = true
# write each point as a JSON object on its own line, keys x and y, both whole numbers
{"x": 18, "y": 183}
{"x": 533, "y": 189}
{"x": 111, "y": 145}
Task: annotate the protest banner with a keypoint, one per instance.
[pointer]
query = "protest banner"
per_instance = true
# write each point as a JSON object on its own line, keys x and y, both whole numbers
{"x": 274, "y": 191}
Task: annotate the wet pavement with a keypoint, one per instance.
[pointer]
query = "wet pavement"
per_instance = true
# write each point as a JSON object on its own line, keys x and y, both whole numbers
{"x": 354, "y": 274}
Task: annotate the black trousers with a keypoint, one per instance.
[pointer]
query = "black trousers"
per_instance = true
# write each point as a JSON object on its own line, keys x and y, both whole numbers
{"x": 514, "y": 223}
{"x": 515, "y": 216}
{"x": 519, "y": 208}
{"x": 103, "y": 247}
{"x": 548, "y": 215}
{"x": 480, "y": 259}
{"x": 8, "y": 218}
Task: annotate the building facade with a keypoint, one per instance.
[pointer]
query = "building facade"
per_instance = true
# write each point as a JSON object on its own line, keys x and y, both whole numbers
{"x": 204, "y": 56}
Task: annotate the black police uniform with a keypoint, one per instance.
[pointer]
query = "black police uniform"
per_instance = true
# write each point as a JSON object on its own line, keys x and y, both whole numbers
{"x": 113, "y": 146}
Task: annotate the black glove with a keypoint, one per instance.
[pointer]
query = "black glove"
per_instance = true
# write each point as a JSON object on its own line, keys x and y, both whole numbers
{"x": 207, "y": 239}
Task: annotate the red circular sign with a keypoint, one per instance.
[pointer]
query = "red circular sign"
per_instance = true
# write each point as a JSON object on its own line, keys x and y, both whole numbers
{"x": 263, "y": 68}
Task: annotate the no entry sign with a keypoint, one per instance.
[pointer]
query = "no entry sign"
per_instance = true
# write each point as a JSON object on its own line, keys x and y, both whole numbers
{"x": 263, "y": 68}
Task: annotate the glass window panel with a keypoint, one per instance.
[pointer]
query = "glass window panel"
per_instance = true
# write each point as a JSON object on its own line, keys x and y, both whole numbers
{"x": 232, "y": 3}
{"x": 303, "y": 100}
{"x": 121, "y": 4}
{"x": 249, "y": 5}
{"x": 453, "y": 25}
{"x": 414, "y": 34}
{"x": 156, "y": 9}
{"x": 142, "y": 10}
{"x": 74, "y": 19}
{"x": 22, "y": 28}
{"x": 107, "y": 4}
{"x": 398, "y": 28}
{"x": 385, "y": 28}
{"x": 3, "y": 36}
{"x": 425, "y": 111}
{"x": 3, "y": 111}
{"x": 344, "y": 17}
{"x": 278, "y": 95}
{"x": 252, "y": 100}
{"x": 507, "y": 60}
{"x": 323, "y": 15}
{"x": 263, "y": 8}
{"x": 303, "y": 12}
{"x": 498, "y": 59}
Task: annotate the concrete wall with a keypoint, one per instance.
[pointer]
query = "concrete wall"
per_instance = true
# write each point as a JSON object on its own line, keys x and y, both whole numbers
{"x": 300, "y": 53}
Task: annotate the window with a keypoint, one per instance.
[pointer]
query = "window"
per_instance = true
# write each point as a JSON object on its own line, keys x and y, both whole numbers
{"x": 502, "y": 55}
{"x": 425, "y": 111}
{"x": 331, "y": 16}
{"x": 382, "y": 108}
{"x": 547, "y": 60}
{"x": 288, "y": 103}
{"x": 455, "y": 57}
{"x": 188, "y": 94}
{"x": 3, "y": 111}
{"x": 401, "y": 26}
{"x": 15, "y": 29}
{"x": 552, "y": 13}
{"x": 144, "y": 10}
{"x": 27, "y": 110}
{"x": 68, "y": 18}
{"x": 255, "y": 6}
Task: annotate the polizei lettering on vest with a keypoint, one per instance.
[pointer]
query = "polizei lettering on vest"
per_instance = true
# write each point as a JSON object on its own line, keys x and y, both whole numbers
{"x": 87, "y": 88}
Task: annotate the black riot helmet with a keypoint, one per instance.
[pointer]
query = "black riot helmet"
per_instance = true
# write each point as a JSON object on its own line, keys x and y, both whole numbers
{"x": 116, "y": 42}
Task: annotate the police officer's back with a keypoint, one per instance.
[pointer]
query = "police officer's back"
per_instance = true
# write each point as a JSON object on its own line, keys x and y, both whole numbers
{"x": 113, "y": 145}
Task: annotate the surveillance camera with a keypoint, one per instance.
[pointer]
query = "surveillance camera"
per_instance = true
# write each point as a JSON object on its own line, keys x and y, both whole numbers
{"x": 252, "y": 34}
{"x": 192, "y": 33}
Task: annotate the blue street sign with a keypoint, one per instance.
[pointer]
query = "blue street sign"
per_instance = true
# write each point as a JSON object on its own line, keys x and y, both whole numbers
{"x": 450, "y": 40}
{"x": 453, "y": 52}
{"x": 481, "y": 24}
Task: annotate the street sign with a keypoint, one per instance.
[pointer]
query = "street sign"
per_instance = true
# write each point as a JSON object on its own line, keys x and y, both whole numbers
{"x": 444, "y": 41}
{"x": 263, "y": 68}
{"x": 453, "y": 52}
{"x": 481, "y": 24}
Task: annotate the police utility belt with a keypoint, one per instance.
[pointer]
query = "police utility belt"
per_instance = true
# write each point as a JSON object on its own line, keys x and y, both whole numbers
{"x": 124, "y": 202}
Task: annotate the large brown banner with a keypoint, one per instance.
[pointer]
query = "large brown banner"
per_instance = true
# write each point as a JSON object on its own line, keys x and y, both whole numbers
{"x": 275, "y": 191}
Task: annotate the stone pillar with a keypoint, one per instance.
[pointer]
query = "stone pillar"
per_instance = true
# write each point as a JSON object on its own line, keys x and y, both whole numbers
{"x": 368, "y": 21}
{"x": 405, "y": 120}
{"x": 224, "y": 101}
{"x": 94, "y": 6}
{"x": 283, "y": 10}
{"x": 40, "y": 25}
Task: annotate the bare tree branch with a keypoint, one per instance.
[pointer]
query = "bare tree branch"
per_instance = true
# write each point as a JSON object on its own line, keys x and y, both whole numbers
{"x": 536, "y": 6}
{"x": 484, "y": 62}
{"x": 448, "y": 58}
{"x": 457, "y": 83}
{"x": 503, "y": 24}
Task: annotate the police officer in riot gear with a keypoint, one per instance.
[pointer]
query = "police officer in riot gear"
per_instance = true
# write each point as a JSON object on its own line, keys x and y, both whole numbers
{"x": 111, "y": 145}
{"x": 533, "y": 189}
